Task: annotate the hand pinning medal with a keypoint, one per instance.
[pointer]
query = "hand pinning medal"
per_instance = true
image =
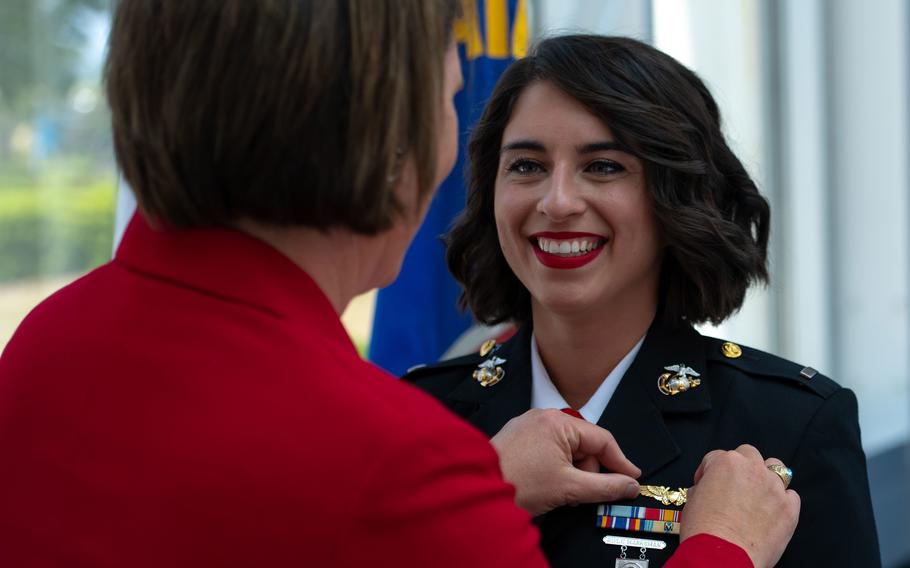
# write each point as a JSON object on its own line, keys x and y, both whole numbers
{"x": 679, "y": 379}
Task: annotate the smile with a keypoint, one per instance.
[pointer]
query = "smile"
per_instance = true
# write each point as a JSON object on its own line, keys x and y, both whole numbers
{"x": 566, "y": 250}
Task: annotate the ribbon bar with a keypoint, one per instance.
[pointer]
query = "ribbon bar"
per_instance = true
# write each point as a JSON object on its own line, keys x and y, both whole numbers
{"x": 648, "y": 513}
{"x": 637, "y": 525}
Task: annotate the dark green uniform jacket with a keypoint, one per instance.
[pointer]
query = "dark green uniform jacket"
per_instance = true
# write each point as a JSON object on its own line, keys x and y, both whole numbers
{"x": 783, "y": 409}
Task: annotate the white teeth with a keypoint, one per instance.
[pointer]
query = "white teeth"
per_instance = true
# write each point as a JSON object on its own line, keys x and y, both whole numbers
{"x": 572, "y": 248}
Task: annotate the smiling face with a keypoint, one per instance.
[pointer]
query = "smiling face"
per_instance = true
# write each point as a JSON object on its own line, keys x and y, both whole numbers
{"x": 573, "y": 212}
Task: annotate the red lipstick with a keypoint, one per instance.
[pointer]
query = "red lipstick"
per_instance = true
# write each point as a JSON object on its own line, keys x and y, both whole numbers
{"x": 565, "y": 262}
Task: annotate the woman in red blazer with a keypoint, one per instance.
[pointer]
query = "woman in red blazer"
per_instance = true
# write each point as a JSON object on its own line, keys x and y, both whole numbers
{"x": 196, "y": 401}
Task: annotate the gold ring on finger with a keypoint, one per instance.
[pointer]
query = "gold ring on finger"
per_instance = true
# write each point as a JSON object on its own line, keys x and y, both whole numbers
{"x": 782, "y": 471}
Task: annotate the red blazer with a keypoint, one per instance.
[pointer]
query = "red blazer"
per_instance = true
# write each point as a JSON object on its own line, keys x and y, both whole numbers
{"x": 197, "y": 402}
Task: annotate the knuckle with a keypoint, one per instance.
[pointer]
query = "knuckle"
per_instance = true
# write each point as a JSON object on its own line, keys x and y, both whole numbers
{"x": 714, "y": 453}
{"x": 551, "y": 417}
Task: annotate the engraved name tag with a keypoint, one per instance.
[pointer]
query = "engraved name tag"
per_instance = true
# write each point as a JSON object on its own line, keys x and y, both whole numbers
{"x": 635, "y": 542}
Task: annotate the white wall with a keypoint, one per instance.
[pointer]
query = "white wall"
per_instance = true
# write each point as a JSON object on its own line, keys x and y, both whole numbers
{"x": 619, "y": 17}
{"x": 868, "y": 143}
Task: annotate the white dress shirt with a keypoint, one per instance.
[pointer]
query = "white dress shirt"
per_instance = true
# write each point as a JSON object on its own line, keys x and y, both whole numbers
{"x": 545, "y": 395}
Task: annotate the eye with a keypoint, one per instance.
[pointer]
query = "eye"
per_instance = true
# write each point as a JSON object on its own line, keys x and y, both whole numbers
{"x": 524, "y": 167}
{"x": 604, "y": 167}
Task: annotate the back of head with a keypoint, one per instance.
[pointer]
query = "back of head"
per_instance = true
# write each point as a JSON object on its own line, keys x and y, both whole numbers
{"x": 283, "y": 112}
{"x": 712, "y": 219}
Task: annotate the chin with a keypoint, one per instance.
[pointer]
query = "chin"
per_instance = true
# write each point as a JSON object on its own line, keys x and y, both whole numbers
{"x": 559, "y": 302}
{"x": 388, "y": 275}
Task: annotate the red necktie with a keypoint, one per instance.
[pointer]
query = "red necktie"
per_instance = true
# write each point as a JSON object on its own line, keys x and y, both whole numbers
{"x": 572, "y": 412}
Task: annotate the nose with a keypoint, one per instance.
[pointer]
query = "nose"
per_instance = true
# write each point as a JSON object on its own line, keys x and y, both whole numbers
{"x": 562, "y": 199}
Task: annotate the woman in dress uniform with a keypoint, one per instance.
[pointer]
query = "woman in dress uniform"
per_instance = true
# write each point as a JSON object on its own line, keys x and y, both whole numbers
{"x": 197, "y": 402}
{"x": 606, "y": 216}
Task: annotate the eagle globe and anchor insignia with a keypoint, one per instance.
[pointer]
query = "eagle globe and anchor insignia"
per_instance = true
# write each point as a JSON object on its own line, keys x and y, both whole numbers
{"x": 680, "y": 379}
{"x": 489, "y": 372}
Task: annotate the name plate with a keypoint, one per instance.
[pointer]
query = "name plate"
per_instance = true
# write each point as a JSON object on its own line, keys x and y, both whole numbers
{"x": 635, "y": 542}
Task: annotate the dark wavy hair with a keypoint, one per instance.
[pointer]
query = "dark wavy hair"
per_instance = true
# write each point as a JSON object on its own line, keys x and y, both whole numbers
{"x": 712, "y": 219}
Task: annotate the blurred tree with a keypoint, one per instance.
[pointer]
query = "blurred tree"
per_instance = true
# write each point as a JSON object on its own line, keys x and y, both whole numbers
{"x": 40, "y": 49}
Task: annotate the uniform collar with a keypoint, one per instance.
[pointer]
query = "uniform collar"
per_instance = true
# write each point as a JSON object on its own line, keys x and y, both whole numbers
{"x": 233, "y": 266}
{"x": 495, "y": 405}
{"x": 544, "y": 393}
{"x": 635, "y": 413}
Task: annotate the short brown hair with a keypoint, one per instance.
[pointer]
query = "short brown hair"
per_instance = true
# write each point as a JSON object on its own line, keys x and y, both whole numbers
{"x": 711, "y": 217}
{"x": 284, "y": 112}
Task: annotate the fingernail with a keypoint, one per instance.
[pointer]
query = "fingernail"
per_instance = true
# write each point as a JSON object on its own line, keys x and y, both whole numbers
{"x": 632, "y": 490}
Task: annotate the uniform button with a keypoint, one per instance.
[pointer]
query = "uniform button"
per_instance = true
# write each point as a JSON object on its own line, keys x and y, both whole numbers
{"x": 731, "y": 350}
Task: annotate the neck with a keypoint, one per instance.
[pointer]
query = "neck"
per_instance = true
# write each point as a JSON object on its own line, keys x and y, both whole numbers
{"x": 579, "y": 350}
{"x": 341, "y": 262}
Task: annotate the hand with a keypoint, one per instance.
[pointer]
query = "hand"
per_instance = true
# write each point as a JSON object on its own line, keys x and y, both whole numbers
{"x": 737, "y": 498}
{"x": 553, "y": 459}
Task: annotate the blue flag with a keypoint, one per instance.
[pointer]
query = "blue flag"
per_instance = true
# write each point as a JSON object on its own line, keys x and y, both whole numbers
{"x": 417, "y": 317}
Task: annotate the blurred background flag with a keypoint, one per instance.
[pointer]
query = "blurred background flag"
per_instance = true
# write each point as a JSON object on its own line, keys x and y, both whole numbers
{"x": 417, "y": 319}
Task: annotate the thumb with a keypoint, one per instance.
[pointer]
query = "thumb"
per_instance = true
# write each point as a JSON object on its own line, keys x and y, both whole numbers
{"x": 592, "y": 440}
{"x": 588, "y": 487}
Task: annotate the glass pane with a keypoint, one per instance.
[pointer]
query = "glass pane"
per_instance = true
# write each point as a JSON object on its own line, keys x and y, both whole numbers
{"x": 57, "y": 174}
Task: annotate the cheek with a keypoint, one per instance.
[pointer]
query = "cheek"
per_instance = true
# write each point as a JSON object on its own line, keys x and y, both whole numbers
{"x": 506, "y": 227}
{"x": 501, "y": 212}
{"x": 447, "y": 149}
{"x": 647, "y": 234}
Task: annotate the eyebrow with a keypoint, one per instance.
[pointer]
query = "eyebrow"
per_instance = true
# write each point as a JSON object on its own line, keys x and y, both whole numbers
{"x": 536, "y": 146}
{"x": 523, "y": 145}
{"x": 601, "y": 147}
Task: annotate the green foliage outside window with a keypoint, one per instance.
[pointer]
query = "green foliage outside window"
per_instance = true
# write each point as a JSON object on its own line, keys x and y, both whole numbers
{"x": 59, "y": 224}
{"x": 57, "y": 180}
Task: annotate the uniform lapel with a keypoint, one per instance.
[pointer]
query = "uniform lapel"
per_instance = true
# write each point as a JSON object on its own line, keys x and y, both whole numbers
{"x": 635, "y": 414}
{"x": 489, "y": 408}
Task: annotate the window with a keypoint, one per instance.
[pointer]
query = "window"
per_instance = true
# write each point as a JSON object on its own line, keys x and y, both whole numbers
{"x": 57, "y": 173}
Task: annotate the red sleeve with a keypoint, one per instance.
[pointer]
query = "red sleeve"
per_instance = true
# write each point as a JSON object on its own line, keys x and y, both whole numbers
{"x": 437, "y": 498}
{"x": 704, "y": 550}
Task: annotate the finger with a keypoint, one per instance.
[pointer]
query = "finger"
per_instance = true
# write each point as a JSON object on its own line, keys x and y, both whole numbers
{"x": 794, "y": 502}
{"x": 774, "y": 461}
{"x": 750, "y": 452}
{"x": 592, "y": 440}
{"x": 588, "y": 487}
{"x": 704, "y": 463}
{"x": 588, "y": 463}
